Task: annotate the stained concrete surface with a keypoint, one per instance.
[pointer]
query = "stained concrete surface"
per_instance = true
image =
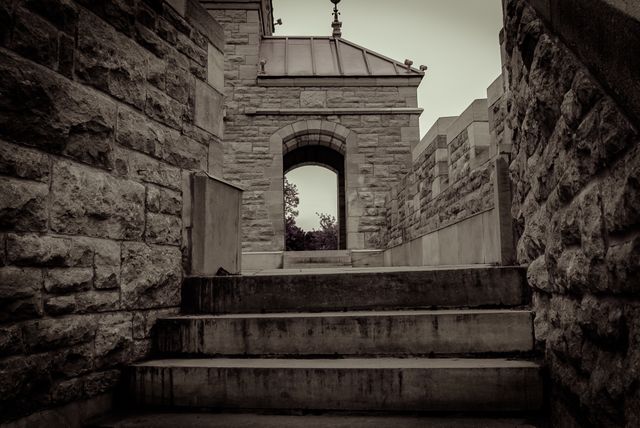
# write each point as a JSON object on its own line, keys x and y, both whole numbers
{"x": 197, "y": 420}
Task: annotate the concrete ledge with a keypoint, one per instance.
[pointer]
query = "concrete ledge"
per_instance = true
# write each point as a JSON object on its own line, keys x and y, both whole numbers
{"x": 330, "y": 111}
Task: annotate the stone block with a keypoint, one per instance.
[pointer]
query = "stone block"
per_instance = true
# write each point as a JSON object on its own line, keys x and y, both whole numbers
{"x": 91, "y": 203}
{"x": 113, "y": 340}
{"x": 309, "y": 99}
{"x": 37, "y": 250}
{"x": 137, "y": 132}
{"x": 11, "y": 340}
{"x": 106, "y": 263}
{"x": 147, "y": 169}
{"x": 209, "y": 105}
{"x": 81, "y": 303}
{"x": 215, "y": 68}
{"x": 186, "y": 153}
{"x": 61, "y": 13}
{"x": 23, "y": 163}
{"x": 68, "y": 280}
{"x": 145, "y": 321}
{"x": 34, "y": 38}
{"x": 163, "y": 201}
{"x": 163, "y": 229}
{"x": 151, "y": 275}
{"x": 189, "y": 48}
{"x": 23, "y": 205}
{"x": 55, "y": 114}
{"x": 48, "y": 334}
{"x": 101, "y": 382}
{"x": 164, "y": 109}
{"x": 111, "y": 61}
{"x": 179, "y": 83}
{"x": 20, "y": 293}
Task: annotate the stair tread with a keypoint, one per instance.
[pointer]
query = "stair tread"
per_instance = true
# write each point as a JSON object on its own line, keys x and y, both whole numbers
{"x": 336, "y": 314}
{"x": 345, "y": 363}
{"x": 374, "y": 270}
{"x": 170, "y": 420}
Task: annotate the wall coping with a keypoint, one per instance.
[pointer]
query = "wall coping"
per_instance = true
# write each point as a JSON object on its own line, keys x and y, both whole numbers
{"x": 478, "y": 111}
{"x": 438, "y": 128}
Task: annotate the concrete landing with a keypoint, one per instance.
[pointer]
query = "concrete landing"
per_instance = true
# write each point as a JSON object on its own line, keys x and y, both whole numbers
{"x": 380, "y": 333}
{"x": 316, "y": 259}
{"x": 222, "y": 420}
{"x": 352, "y": 384}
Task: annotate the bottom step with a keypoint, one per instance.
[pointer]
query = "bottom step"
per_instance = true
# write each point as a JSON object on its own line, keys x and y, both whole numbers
{"x": 371, "y": 384}
{"x": 197, "y": 420}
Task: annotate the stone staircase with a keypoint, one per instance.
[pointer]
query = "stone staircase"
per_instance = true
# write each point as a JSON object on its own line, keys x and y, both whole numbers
{"x": 440, "y": 340}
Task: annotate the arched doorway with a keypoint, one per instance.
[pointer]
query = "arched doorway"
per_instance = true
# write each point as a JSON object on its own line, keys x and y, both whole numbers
{"x": 328, "y": 157}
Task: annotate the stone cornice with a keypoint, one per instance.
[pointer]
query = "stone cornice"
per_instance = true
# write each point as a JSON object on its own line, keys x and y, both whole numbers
{"x": 339, "y": 81}
{"x": 330, "y": 111}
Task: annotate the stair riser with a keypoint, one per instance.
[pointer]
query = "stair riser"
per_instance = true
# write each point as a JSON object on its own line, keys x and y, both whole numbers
{"x": 350, "y": 335}
{"x": 495, "y": 287}
{"x": 475, "y": 389}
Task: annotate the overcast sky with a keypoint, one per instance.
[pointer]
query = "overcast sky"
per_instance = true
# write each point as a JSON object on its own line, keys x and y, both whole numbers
{"x": 456, "y": 39}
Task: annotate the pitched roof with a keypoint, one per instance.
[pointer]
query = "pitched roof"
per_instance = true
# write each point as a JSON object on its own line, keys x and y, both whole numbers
{"x": 326, "y": 56}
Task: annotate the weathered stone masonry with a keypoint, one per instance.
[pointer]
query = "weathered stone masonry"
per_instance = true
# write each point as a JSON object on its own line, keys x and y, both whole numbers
{"x": 378, "y": 151}
{"x": 106, "y": 107}
{"x": 576, "y": 204}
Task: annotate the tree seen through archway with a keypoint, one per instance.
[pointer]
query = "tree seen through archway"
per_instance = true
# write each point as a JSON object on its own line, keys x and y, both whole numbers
{"x": 324, "y": 237}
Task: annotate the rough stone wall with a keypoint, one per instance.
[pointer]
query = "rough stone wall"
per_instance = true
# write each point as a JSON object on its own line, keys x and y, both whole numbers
{"x": 98, "y": 133}
{"x": 576, "y": 204}
{"x": 375, "y": 160}
{"x": 409, "y": 215}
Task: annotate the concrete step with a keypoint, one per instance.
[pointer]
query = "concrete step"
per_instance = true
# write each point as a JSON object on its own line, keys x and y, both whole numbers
{"x": 244, "y": 420}
{"x": 362, "y": 290}
{"x": 394, "y": 333}
{"x": 316, "y": 259}
{"x": 370, "y": 384}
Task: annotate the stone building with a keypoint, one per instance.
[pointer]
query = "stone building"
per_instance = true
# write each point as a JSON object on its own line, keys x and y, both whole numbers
{"x": 117, "y": 116}
{"x": 292, "y": 101}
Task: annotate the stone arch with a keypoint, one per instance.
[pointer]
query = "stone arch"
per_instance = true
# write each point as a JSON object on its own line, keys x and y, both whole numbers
{"x": 313, "y": 132}
{"x": 323, "y": 143}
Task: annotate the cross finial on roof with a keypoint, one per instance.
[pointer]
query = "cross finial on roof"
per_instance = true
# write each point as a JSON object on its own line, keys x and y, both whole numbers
{"x": 336, "y": 24}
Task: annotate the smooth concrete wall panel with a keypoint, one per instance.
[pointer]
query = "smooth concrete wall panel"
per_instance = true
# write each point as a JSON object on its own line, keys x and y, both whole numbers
{"x": 430, "y": 249}
{"x": 470, "y": 241}
{"x": 470, "y": 234}
{"x": 415, "y": 252}
{"x": 449, "y": 247}
{"x": 490, "y": 237}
